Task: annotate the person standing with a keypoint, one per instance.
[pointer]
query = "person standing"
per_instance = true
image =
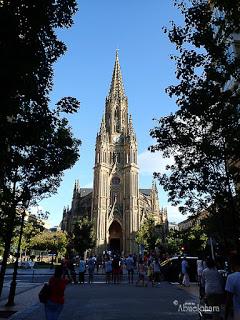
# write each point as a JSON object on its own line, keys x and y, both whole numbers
{"x": 150, "y": 273}
{"x": 185, "y": 269}
{"x": 156, "y": 270}
{"x": 116, "y": 269}
{"x": 65, "y": 267}
{"x": 72, "y": 271}
{"x": 130, "y": 268}
{"x": 200, "y": 268}
{"x": 233, "y": 290}
{"x": 55, "y": 303}
{"x": 81, "y": 270}
{"x": 212, "y": 283}
{"x": 141, "y": 272}
{"x": 98, "y": 262}
{"x": 108, "y": 270}
{"x": 91, "y": 267}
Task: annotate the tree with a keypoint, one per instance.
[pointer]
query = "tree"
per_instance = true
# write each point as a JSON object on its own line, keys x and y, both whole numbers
{"x": 192, "y": 241}
{"x": 82, "y": 237}
{"x": 174, "y": 242}
{"x": 50, "y": 241}
{"x": 203, "y": 135}
{"x": 36, "y": 143}
{"x": 148, "y": 234}
{"x": 33, "y": 226}
{"x": 195, "y": 240}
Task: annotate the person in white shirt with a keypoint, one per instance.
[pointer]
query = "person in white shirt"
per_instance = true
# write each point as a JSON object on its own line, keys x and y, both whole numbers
{"x": 233, "y": 290}
{"x": 81, "y": 270}
{"x": 200, "y": 267}
{"x": 213, "y": 285}
{"x": 185, "y": 267}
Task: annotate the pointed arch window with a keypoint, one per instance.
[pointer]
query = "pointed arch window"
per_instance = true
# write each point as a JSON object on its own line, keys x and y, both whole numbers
{"x": 116, "y": 181}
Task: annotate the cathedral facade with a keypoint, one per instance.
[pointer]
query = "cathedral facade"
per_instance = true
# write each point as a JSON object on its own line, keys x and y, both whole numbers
{"x": 116, "y": 205}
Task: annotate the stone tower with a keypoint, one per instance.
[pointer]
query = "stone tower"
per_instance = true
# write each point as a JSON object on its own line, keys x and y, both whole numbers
{"x": 115, "y": 207}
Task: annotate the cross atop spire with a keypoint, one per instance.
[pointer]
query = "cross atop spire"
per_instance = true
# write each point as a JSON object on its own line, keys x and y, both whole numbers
{"x": 117, "y": 89}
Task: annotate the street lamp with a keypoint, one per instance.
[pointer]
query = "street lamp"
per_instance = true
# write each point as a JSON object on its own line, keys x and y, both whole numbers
{"x": 25, "y": 203}
{"x": 54, "y": 240}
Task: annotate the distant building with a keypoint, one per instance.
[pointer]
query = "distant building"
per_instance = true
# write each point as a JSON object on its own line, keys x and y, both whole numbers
{"x": 172, "y": 226}
{"x": 193, "y": 220}
{"x": 55, "y": 229}
{"x": 116, "y": 205}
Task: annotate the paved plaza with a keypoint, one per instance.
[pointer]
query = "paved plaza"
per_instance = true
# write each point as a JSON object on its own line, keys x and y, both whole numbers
{"x": 112, "y": 302}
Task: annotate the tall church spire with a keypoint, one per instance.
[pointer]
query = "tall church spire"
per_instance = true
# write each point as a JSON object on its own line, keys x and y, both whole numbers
{"x": 116, "y": 88}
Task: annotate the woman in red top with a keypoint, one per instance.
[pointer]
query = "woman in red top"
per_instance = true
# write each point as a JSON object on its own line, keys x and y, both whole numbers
{"x": 55, "y": 303}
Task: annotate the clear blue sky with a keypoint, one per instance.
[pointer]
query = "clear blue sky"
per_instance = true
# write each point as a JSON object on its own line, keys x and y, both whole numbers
{"x": 135, "y": 28}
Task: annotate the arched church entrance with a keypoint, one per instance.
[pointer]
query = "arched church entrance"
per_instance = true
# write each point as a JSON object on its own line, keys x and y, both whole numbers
{"x": 115, "y": 237}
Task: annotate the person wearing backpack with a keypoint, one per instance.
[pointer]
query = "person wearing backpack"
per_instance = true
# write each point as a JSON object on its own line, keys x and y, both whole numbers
{"x": 57, "y": 285}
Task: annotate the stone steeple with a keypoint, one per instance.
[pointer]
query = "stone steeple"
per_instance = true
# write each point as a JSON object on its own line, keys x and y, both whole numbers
{"x": 116, "y": 88}
{"x": 116, "y": 106}
{"x": 76, "y": 190}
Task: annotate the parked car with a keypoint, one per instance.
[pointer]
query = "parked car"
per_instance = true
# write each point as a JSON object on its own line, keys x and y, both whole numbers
{"x": 171, "y": 268}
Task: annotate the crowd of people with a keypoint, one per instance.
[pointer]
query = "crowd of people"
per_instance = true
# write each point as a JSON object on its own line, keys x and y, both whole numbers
{"x": 147, "y": 268}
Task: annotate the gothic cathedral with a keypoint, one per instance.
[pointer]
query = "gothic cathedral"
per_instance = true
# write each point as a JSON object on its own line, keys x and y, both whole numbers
{"x": 116, "y": 205}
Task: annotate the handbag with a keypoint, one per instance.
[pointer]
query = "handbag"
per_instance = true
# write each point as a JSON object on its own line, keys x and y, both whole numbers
{"x": 44, "y": 293}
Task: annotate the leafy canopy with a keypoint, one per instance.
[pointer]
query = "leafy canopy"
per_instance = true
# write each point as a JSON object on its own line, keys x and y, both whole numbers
{"x": 83, "y": 237}
{"x": 203, "y": 135}
{"x": 149, "y": 234}
{"x": 52, "y": 241}
{"x": 36, "y": 143}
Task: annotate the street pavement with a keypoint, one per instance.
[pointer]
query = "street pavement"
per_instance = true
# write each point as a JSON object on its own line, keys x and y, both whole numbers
{"x": 112, "y": 302}
{"x": 100, "y": 301}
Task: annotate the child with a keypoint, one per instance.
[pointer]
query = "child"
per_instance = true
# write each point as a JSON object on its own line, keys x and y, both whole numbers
{"x": 141, "y": 273}
{"x": 150, "y": 273}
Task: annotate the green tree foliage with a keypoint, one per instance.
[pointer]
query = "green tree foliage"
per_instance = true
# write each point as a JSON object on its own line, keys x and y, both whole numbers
{"x": 36, "y": 142}
{"x": 192, "y": 241}
{"x": 50, "y": 241}
{"x": 148, "y": 234}
{"x": 174, "y": 242}
{"x": 195, "y": 240}
{"x": 82, "y": 237}
{"x": 203, "y": 135}
{"x": 33, "y": 226}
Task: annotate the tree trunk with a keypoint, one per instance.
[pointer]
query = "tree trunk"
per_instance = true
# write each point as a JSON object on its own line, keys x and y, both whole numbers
{"x": 4, "y": 262}
{"x": 8, "y": 239}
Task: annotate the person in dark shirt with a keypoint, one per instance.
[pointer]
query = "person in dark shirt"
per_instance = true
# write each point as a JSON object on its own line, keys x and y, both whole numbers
{"x": 116, "y": 269}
